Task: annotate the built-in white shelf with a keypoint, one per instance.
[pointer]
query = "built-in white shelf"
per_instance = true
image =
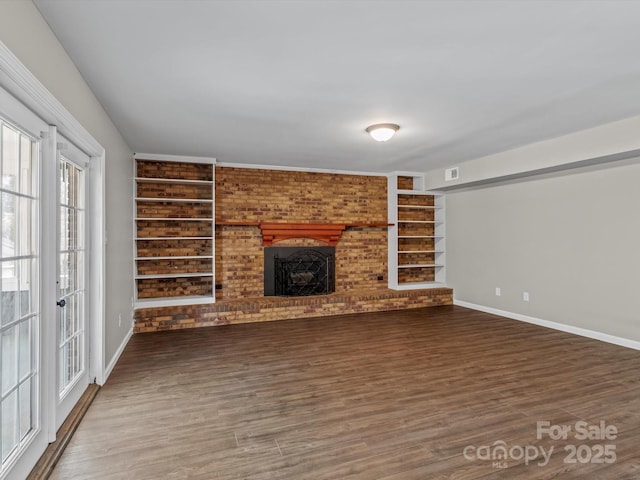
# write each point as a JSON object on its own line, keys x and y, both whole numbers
{"x": 173, "y": 275}
{"x": 174, "y": 219}
{"x": 172, "y": 180}
{"x": 416, "y": 285}
{"x": 420, "y": 251}
{"x": 410, "y": 204}
{"x": 418, "y": 192}
{"x": 176, "y": 257}
{"x": 180, "y": 210}
{"x": 173, "y": 301}
{"x": 174, "y": 200}
{"x": 433, "y": 222}
{"x": 421, "y": 207}
{"x": 174, "y": 238}
{"x": 421, "y": 265}
{"x": 420, "y": 236}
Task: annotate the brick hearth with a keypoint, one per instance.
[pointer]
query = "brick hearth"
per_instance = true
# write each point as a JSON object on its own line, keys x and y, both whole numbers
{"x": 263, "y": 309}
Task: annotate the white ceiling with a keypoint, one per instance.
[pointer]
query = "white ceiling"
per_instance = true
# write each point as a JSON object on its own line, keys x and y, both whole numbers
{"x": 295, "y": 83}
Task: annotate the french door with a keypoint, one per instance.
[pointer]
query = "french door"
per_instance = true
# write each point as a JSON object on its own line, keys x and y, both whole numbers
{"x": 44, "y": 253}
{"x": 72, "y": 352}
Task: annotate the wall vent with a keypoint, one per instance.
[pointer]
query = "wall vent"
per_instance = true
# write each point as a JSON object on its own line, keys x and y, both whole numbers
{"x": 451, "y": 174}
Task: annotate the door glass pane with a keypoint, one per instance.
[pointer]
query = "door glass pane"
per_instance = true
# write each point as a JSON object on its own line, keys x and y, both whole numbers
{"x": 64, "y": 229}
{"x": 25, "y": 275}
{"x": 26, "y": 413}
{"x": 9, "y": 225}
{"x": 9, "y": 307}
{"x": 19, "y": 266}
{"x": 65, "y": 281}
{"x": 25, "y": 214}
{"x": 10, "y": 158}
{"x": 9, "y": 359}
{"x": 24, "y": 348}
{"x": 27, "y": 180}
{"x": 9, "y": 424}
{"x": 71, "y": 273}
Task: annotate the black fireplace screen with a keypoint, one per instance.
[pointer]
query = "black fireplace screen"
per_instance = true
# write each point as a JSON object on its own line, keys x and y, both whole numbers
{"x": 299, "y": 271}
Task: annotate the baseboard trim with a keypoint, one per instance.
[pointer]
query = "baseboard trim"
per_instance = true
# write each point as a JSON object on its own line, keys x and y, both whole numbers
{"x": 583, "y": 332}
{"x": 116, "y": 356}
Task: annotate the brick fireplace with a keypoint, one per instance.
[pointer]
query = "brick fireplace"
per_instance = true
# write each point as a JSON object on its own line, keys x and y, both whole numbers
{"x": 246, "y": 197}
{"x": 252, "y": 195}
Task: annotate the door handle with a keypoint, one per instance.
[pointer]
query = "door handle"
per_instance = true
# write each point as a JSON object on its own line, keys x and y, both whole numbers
{"x": 61, "y": 303}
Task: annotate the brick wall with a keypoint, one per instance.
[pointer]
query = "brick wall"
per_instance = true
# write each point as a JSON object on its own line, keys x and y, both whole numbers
{"x": 252, "y": 195}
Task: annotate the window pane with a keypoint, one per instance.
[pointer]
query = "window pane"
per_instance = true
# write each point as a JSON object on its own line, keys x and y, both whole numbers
{"x": 9, "y": 424}
{"x": 64, "y": 228}
{"x": 8, "y": 300}
{"x": 24, "y": 359}
{"x": 10, "y": 158}
{"x": 26, "y": 160}
{"x": 66, "y": 320}
{"x": 64, "y": 274}
{"x": 24, "y": 404}
{"x": 26, "y": 239}
{"x": 9, "y": 225}
{"x": 26, "y": 271}
{"x": 79, "y": 228}
{"x": 72, "y": 359}
{"x": 71, "y": 229}
{"x": 79, "y": 310}
{"x": 9, "y": 359}
{"x": 64, "y": 366}
{"x": 64, "y": 181}
{"x": 79, "y": 259}
{"x": 80, "y": 196}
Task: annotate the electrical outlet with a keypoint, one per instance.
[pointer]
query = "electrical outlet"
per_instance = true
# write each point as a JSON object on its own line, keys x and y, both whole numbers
{"x": 525, "y": 296}
{"x": 498, "y": 292}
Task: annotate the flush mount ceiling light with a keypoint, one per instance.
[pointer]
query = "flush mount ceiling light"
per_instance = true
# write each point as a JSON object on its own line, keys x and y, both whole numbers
{"x": 382, "y": 131}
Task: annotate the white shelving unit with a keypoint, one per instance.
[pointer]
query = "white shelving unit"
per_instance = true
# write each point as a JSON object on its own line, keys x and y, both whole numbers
{"x": 417, "y": 237}
{"x": 173, "y": 274}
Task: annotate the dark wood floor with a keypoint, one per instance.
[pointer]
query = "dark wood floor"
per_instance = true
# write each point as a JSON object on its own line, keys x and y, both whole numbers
{"x": 395, "y": 395}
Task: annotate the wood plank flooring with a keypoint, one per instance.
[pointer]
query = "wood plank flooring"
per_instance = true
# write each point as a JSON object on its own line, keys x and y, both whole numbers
{"x": 395, "y": 395}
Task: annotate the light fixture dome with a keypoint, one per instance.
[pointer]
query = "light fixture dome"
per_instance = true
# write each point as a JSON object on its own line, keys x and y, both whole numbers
{"x": 382, "y": 132}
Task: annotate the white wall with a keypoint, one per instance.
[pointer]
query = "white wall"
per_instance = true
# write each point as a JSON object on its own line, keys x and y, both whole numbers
{"x": 603, "y": 144}
{"x": 26, "y": 34}
{"x": 571, "y": 240}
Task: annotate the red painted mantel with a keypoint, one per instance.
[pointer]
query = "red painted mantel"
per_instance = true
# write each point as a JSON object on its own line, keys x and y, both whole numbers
{"x": 328, "y": 233}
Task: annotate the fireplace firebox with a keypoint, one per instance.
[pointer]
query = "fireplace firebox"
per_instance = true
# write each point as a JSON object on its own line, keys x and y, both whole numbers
{"x": 299, "y": 271}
